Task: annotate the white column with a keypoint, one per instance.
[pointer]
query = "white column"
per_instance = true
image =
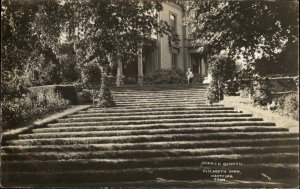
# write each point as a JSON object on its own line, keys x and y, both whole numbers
{"x": 203, "y": 67}
{"x": 199, "y": 66}
{"x": 140, "y": 67}
{"x": 119, "y": 81}
{"x": 208, "y": 78}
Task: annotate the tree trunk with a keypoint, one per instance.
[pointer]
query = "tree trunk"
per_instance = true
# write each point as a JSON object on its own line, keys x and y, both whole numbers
{"x": 93, "y": 92}
{"x": 105, "y": 98}
{"x": 220, "y": 87}
{"x": 251, "y": 89}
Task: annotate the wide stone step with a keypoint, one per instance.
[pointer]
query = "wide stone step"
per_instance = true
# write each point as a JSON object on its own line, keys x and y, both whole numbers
{"x": 155, "y": 131}
{"x": 155, "y": 97}
{"x": 157, "y": 90}
{"x": 95, "y": 126}
{"x": 159, "y": 87}
{"x": 141, "y": 174}
{"x": 158, "y": 104}
{"x": 191, "y": 90}
{"x": 162, "y": 93}
{"x": 153, "y": 105}
{"x": 226, "y": 160}
{"x": 159, "y": 98}
{"x": 138, "y": 117}
{"x": 147, "y": 138}
{"x": 204, "y": 106}
{"x": 252, "y": 143}
{"x": 103, "y": 164}
{"x": 146, "y": 94}
{"x": 136, "y": 154}
{"x": 185, "y": 112}
{"x": 159, "y": 101}
{"x": 150, "y": 98}
{"x": 88, "y": 121}
{"x": 144, "y": 109}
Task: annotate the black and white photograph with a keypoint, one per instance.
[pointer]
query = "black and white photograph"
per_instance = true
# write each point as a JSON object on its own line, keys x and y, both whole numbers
{"x": 107, "y": 94}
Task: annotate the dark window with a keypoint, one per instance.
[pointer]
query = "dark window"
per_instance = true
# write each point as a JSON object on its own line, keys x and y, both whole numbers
{"x": 173, "y": 22}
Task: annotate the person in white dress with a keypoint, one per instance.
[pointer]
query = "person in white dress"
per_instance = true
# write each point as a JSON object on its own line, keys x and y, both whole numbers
{"x": 189, "y": 75}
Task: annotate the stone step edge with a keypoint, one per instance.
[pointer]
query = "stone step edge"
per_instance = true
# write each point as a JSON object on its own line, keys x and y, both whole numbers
{"x": 156, "y": 109}
{"x": 168, "y": 108}
{"x": 203, "y": 107}
{"x": 87, "y": 121}
{"x": 84, "y": 113}
{"x": 159, "y": 86}
{"x": 96, "y": 125}
{"x": 199, "y": 151}
{"x": 156, "y": 101}
{"x": 292, "y": 165}
{"x": 95, "y": 162}
{"x": 124, "y": 139}
{"x": 160, "y": 144}
{"x": 165, "y": 98}
{"x": 136, "y": 132}
{"x": 160, "y": 92}
{"x": 143, "y": 117}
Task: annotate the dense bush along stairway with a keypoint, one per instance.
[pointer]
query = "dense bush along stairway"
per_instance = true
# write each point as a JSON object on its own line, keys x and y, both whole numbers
{"x": 155, "y": 136}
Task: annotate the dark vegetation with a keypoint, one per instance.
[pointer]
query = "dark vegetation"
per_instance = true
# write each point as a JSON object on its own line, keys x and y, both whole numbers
{"x": 31, "y": 106}
{"x": 246, "y": 29}
{"x": 167, "y": 76}
{"x": 35, "y": 53}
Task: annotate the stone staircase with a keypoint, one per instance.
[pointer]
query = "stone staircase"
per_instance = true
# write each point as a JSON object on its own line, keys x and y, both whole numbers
{"x": 154, "y": 137}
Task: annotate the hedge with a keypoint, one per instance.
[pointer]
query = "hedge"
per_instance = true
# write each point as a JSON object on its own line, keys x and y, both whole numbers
{"x": 67, "y": 92}
{"x": 166, "y": 76}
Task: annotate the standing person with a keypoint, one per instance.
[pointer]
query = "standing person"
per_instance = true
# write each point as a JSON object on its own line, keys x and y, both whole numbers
{"x": 190, "y": 76}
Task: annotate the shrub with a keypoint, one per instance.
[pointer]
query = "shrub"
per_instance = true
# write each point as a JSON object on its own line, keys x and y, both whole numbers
{"x": 245, "y": 92}
{"x": 46, "y": 69}
{"x": 213, "y": 93}
{"x": 69, "y": 73}
{"x": 129, "y": 80}
{"x": 67, "y": 58}
{"x": 198, "y": 78}
{"x": 112, "y": 80}
{"x": 78, "y": 86}
{"x": 221, "y": 68}
{"x": 262, "y": 94}
{"x": 104, "y": 96}
{"x": 245, "y": 88}
{"x": 85, "y": 96}
{"x": 167, "y": 76}
{"x": 91, "y": 76}
{"x": 291, "y": 105}
{"x": 231, "y": 88}
{"x": 67, "y": 92}
{"x": 31, "y": 106}
{"x": 282, "y": 85}
{"x": 280, "y": 102}
{"x": 287, "y": 104}
{"x": 245, "y": 80}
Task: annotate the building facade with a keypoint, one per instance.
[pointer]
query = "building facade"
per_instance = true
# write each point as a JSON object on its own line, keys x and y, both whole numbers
{"x": 163, "y": 55}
